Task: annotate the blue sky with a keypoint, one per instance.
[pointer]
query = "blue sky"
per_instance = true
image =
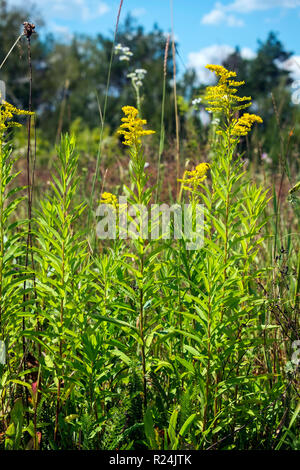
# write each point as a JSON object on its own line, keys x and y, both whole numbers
{"x": 205, "y": 30}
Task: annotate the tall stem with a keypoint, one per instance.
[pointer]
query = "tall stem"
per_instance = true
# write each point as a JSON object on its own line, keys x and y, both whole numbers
{"x": 29, "y": 215}
{"x": 175, "y": 104}
{"x": 162, "y": 130}
{"x": 104, "y": 114}
{"x": 207, "y": 385}
{"x": 1, "y": 235}
{"x": 61, "y": 305}
{"x": 142, "y": 334}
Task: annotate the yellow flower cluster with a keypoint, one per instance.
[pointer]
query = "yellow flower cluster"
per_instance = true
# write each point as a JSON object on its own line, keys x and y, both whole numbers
{"x": 7, "y": 112}
{"x": 192, "y": 179}
{"x": 244, "y": 124}
{"x": 132, "y": 127}
{"x": 221, "y": 71}
{"x": 223, "y": 96}
{"x": 109, "y": 198}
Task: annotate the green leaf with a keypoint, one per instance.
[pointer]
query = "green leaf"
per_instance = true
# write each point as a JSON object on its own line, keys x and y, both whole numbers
{"x": 187, "y": 424}
{"x": 149, "y": 428}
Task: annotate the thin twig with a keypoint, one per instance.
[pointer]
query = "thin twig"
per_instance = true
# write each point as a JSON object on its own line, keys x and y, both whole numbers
{"x": 162, "y": 129}
{"x": 175, "y": 102}
{"x": 10, "y": 51}
{"x": 104, "y": 112}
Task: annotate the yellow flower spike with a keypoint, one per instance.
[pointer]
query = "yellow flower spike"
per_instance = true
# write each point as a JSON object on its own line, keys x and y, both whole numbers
{"x": 223, "y": 96}
{"x": 244, "y": 124}
{"x": 234, "y": 83}
{"x": 132, "y": 127}
{"x": 202, "y": 168}
{"x": 192, "y": 179}
{"x": 7, "y": 112}
{"x": 221, "y": 71}
{"x": 109, "y": 198}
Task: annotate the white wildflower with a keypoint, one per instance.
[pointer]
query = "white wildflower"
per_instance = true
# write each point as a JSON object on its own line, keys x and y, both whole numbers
{"x": 196, "y": 101}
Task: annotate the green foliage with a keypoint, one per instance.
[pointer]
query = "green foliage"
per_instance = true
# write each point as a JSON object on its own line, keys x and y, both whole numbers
{"x": 145, "y": 344}
{"x": 14, "y": 431}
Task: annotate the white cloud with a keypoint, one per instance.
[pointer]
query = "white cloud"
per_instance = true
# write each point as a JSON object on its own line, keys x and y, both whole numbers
{"x": 247, "y": 6}
{"x": 208, "y": 55}
{"x": 215, "y": 54}
{"x": 102, "y": 9}
{"x": 138, "y": 12}
{"x": 216, "y": 16}
{"x": 85, "y": 10}
{"x": 247, "y": 53}
{"x": 219, "y": 16}
{"x": 292, "y": 65}
{"x": 60, "y": 30}
{"x": 224, "y": 14}
{"x": 232, "y": 20}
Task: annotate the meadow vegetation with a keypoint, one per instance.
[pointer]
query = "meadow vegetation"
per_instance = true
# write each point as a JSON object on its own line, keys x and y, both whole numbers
{"x": 141, "y": 343}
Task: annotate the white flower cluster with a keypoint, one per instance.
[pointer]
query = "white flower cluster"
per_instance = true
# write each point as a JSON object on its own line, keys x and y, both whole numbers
{"x": 124, "y": 52}
{"x": 196, "y": 101}
{"x": 137, "y": 77}
{"x": 215, "y": 122}
{"x": 265, "y": 158}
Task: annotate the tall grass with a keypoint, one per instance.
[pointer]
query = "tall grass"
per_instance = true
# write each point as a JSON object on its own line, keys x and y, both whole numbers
{"x": 145, "y": 344}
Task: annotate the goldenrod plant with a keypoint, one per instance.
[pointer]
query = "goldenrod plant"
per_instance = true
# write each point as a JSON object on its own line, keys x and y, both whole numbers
{"x": 13, "y": 275}
{"x": 145, "y": 340}
{"x": 9, "y": 200}
{"x": 225, "y": 271}
{"x": 132, "y": 128}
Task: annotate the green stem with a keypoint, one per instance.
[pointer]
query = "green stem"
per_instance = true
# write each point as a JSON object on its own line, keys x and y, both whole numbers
{"x": 1, "y": 235}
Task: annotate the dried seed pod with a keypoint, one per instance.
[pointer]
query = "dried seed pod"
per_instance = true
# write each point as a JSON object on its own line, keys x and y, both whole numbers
{"x": 29, "y": 29}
